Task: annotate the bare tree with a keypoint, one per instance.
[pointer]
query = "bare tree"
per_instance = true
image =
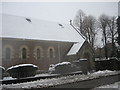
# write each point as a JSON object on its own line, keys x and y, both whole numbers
{"x": 103, "y": 19}
{"x": 118, "y": 29}
{"x": 86, "y": 25}
{"x": 78, "y": 21}
{"x": 112, "y": 32}
{"x": 89, "y": 26}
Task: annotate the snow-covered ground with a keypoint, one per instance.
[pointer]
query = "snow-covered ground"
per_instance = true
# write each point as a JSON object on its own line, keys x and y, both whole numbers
{"x": 61, "y": 80}
{"x": 113, "y": 86}
{"x": 8, "y": 78}
{"x": 38, "y": 75}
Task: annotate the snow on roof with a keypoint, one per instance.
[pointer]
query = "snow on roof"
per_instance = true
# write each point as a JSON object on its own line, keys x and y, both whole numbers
{"x": 75, "y": 48}
{"x": 29, "y": 28}
{"x": 21, "y": 65}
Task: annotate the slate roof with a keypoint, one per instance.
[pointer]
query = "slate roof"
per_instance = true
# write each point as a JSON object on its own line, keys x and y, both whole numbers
{"x": 30, "y": 28}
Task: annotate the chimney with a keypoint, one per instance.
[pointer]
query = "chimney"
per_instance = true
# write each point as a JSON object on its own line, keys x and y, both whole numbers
{"x": 70, "y": 22}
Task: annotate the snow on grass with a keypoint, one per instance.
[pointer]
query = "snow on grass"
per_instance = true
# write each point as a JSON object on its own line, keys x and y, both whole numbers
{"x": 8, "y": 78}
{"x": 58, "y": 81}
{"x": 46, "y": 74}
{"x": 103, "y": 73}
{"x": 114, "y": 85}
{"x": 47, "y": 82}
{"x": 40, "y": 75}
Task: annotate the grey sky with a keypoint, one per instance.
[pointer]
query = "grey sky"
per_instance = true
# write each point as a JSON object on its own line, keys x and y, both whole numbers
{"x": 58, "y": 11}
{"x": 119, "y": 8}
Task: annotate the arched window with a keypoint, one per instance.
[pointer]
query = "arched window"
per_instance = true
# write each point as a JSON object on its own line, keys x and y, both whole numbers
{"x": 51, "y": 53}
{"x": 38, "y": 53}
{"x": 7, "y": 53}
{"x": 24, "y": 53}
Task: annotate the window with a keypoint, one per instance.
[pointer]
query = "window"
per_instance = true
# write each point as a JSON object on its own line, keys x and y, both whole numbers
{"x": 7, "y": 53}
{"x": 24, "y": 53}
{"x": 38, "y": 53}
{"x": 51, "y": 53}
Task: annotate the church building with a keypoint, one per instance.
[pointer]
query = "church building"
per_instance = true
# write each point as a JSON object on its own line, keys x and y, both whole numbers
{"x": 39, "y": 42}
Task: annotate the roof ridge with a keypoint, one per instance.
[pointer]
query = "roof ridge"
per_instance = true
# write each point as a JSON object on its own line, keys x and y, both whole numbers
{"x": 32, "y": 18}
{"x": 17, "y": 27}
{"x": 77, "y": 30}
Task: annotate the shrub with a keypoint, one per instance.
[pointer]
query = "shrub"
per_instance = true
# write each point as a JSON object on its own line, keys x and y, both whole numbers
{"x": 2, "y": 70}
{"x": 63, "y": 68}
{"x": 22, "y": 70}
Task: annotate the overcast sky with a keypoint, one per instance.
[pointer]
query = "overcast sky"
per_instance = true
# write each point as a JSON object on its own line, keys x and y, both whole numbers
{"x": 59, "y": 11}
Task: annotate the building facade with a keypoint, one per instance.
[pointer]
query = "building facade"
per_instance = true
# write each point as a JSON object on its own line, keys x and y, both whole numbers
{"x": 32, "y": 41}
{"x": 40, "y": 53}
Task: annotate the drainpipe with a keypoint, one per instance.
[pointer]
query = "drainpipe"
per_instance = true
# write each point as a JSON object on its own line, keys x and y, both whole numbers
{"x": 59, "y": 51}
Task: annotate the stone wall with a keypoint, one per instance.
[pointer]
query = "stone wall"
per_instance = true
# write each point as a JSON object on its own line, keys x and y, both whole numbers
{"x": 85, "y": 52}
{"x": 60, "y": 49}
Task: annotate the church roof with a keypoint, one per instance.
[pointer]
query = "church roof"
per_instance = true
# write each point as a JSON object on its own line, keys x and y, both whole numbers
{"x": 29, "y": 28}
{"x": 75, "y": 48}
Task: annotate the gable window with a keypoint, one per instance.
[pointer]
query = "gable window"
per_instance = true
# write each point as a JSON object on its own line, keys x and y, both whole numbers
{"x": 38, "y": 53}
{"x": 7, "y": 53}
{"x": 24, "y": 53}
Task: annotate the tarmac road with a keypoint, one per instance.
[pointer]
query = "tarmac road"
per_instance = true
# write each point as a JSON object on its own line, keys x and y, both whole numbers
{"x": 89, "y": 84}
